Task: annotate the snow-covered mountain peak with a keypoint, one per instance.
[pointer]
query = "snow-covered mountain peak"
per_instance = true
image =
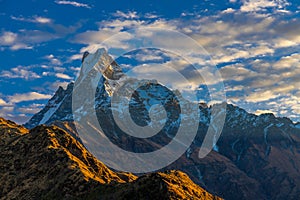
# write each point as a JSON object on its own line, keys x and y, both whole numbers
{"x": 59, "y": 106}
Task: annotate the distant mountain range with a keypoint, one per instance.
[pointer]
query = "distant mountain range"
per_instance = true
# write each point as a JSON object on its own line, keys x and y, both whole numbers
{"x": 256, "y": 157}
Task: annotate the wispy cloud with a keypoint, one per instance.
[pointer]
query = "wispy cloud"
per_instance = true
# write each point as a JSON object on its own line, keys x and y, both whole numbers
{"x": 22, "y": 72}
{"x": 34, "y": 19}
{"x": 289, "y": 62}
{"x": 75, "y": 57}
{"x": 126, "y": 15}
{"x": 19, "y": 46}
{"x": 57, "y": 84}
{"x": 28, "y": 39}
{"x": 24, "y": 39}
{"x": 117, "y": 26}
{"x": 262, "y": 5}
{"x": 16, "y": 98}
{"x": 31, "y": 109}
{"x": 229, "y": 10}
{"x": 63, "y": 76}
{"x": 8, "y": 111}
{"x": 256, "y": 5}
{"x": 2, "y": 102}
{"x": 73, "y": 3}
{"x": 259, "y": 112}
{"x": 8, "y": 38}
{"x": 53, "y": 60}
{"x": 151, "y": 16}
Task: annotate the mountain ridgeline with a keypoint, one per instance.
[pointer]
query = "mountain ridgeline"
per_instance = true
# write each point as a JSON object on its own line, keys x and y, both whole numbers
{"x": 256, "y": 157}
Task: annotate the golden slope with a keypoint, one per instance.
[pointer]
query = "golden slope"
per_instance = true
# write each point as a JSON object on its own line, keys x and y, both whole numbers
{"x": 48, "y": 163}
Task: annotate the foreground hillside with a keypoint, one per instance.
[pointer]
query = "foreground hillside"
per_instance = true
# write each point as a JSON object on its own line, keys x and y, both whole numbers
{"x": 48, "y": 163}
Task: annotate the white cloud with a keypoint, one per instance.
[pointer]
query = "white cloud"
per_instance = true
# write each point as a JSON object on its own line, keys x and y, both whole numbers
{"x": 8, "y": 38}
{"x": 242, "y": 52}
{"x": 266, "y": 94}
{"x": 261, "y": 50}
{"x": 236, "y": 72}
{"x": 284, "y": 11}
{"x": 257, "y": 5}
{"x": 76, "y": 69}
{"x": 53, "y": 59}
{"x": 91, "y": 37}
{"x": 31, "y": 109}
{"x": 259, "y": 112}
{"x": 24, "y": 39}
{"x": 116, "y": 41}
{"x": 28, "y": 39}
{"x": 150, "y": 16}
{"x": 229, "y": 10}
{"x": 289, "y": 62}
{"x": 20, "y": 46}
{"x": 258, "y": 96}
{"x": 143, "y": 58}
{"x": 63, "y": 76}
{"x": 117, "y": 24}
{"x": 8, "y": 113}
{"x": 289, "y": 104}
{"x": 73, "y": 3}
{"x": 148, "y": 55}
{"x": 162, "y": 24}
{"x": 20, "y": 72}
{"x": 34, "y": 19}
{"x": 283, "y": 42}
{"x": 114, "y": 28}
{"x": 58, "y": 84}
{"x": 42, "y": 20}
{"x": 262, "y": 5}
{"x": 59, "y": 69}
{"x": 230, "y": 40}
{"x": 234, "y": 88}
{"x": 76, "y": 57}
{"x": 128, "y": 15}
{"x": 45, "y": 73}
{"x": 2, "y": 102}
{"x": 232, "y": 57}
{"x": 288, "y": 30}
{"x": 16, "y": 98}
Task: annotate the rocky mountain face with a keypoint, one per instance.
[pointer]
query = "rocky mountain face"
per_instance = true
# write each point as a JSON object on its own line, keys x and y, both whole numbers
{"x": 46, "y": 162}
{"x": 256, "y": 157}
{"x": 57, "y": 108}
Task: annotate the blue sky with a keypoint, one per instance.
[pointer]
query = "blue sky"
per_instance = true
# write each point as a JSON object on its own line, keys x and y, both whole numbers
{"x": 255, "y": 45}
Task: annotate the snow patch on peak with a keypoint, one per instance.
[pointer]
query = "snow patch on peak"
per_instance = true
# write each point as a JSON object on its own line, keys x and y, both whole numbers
{"x": 189, "y": 152}
{"x": 280, "y": 125}
{"x": 215, "y": 146}
{"x": 50, "y": 112}
{"x": 266, "y": 132}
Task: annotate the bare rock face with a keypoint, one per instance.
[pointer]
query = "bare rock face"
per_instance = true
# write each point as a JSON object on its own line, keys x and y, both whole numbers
{"x": 59, "y": 107}
{"x": 48, "y": 163}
